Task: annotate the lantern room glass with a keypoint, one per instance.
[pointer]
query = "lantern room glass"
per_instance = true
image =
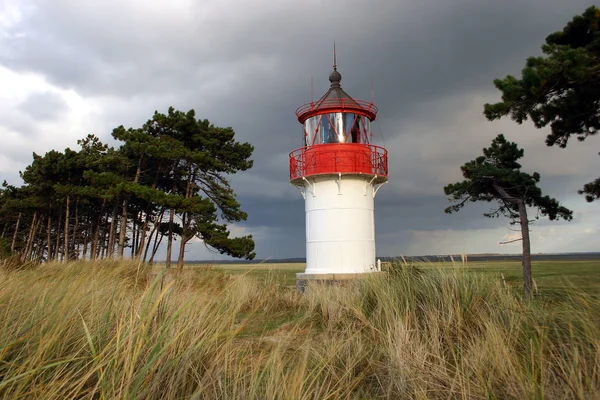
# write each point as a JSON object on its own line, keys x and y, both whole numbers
{"x": 337, "y": 128}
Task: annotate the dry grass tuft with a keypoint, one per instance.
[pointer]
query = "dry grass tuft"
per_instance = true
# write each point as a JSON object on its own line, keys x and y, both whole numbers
{"x": 96, "y": 330}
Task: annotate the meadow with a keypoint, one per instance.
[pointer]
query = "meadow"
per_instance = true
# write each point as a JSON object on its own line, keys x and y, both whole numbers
{"x": 551, "y": 277}
{"x": 425, "y": 331}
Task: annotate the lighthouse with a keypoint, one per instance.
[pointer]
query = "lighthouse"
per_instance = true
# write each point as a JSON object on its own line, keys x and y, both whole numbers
{"x": 338, "y": 171}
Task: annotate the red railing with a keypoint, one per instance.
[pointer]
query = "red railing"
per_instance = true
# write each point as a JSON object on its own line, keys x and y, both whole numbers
{"x": 336, "y": 105}
{"x": 345, "y": 158}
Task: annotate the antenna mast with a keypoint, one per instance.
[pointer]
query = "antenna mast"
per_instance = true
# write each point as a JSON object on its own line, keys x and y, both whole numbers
{"x": 334, "y": 58}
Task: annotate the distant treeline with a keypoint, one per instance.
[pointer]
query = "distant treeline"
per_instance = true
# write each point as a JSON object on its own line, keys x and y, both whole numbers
{"x": 167, "y": 179}
{"x": 500, "y": 257}
{"x": 430, "y": 258}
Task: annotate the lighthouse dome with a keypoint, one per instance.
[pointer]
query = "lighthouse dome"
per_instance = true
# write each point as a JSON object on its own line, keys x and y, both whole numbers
{"x": 336, "y": 100}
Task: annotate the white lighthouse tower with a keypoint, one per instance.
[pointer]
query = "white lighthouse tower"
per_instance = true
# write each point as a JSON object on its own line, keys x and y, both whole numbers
{"x": 338, "y": 172}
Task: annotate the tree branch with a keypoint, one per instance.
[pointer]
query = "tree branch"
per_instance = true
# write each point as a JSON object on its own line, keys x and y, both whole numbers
{"x": 511, "y": 241}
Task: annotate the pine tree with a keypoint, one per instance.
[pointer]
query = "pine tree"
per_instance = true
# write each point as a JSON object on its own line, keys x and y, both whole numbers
{"x": 100, "y": 200}
{"x": 560, "y": 89}
{"x": 196, "y": 158}
{"x": 496, "y": 177}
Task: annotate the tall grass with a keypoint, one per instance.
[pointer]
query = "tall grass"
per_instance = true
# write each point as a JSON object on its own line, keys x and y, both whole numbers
{"x": 96, "y": 330}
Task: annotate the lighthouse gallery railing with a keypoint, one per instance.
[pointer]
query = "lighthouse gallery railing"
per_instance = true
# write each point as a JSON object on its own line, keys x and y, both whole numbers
{"x": 345, "y": 158}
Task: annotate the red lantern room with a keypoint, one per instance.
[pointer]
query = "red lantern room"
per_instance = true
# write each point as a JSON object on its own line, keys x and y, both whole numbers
{"x": 337, "y": 138}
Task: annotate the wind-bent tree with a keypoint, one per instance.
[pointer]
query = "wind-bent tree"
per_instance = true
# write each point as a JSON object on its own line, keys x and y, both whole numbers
{"x": 179, "y": 165}
{"x": 167, "y": 179}
{"x": 204, "y": 155}
{"x": 496, "y": 176}
{"x": 42, "y": 177}
{"x": 561, "y": 88}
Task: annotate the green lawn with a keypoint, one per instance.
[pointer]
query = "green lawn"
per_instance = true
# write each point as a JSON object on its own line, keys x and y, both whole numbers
{"x": 549, "y": 276}
{"x": 281, "y": 272}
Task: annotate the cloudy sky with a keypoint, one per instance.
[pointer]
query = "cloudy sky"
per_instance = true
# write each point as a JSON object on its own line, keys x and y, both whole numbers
{"x": 69, "y": 68}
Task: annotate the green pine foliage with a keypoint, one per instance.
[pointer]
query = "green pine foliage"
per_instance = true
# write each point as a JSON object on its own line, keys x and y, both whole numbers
{"x": 498, "y": 167}
{"x": 560, "y": 89}
{"x": 168, "y": 178}
{"x": 497, "y": 177}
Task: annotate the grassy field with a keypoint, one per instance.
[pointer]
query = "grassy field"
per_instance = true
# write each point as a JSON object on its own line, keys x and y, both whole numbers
{"x": 285, "y": 273}
{"x": 430, "y": 331}
{"x": 552, "y": 277}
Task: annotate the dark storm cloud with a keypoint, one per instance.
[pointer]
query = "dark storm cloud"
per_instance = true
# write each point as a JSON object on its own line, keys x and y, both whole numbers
{"x": 38, "y": 107}
{"x": 44, "y": 106}
{"x": 19, "y": 122}
{"x": 273, "y": 213}
{"x": 256, "y": 66}
{"x": 413, "y": 51}
{"x": 249, "y": 65}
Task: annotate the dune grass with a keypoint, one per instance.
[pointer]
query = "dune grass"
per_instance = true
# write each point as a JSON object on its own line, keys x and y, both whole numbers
{"x": 98, "y": 330}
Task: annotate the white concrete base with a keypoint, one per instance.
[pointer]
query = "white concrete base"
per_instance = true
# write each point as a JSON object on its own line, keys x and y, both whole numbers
{"x": 304, "y": 280}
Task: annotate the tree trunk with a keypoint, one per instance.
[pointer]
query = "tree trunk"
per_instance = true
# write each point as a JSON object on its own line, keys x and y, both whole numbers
{"x": 96, "y": 248}
{"x": 524, "y": 221}
{"x": 145, "y": 228}
{"x": 36, "y": 233}
{"x": 75, "y": 243}
{"x": 86, "y": 240}
{"x": 170, "y": 243}
{"x": 150, "y": 240}
{"x": 186, "y": 222}
{"x": 123, "y": 230}
{"x": 184, "y": 240}
{"x": 180, "y": 260}
{"x": 49, "y": 239}
{"x": 14, "y": 239}
{"x": 66, "y": 244}
{"x": 527, "y": 280}
{"x": 57, "y": 243}
{"x": 142, "y": 239}
{"x": 155, "y": 249}
{"x": 134, "y": 236}
{"x": 95, "y": 239}
{"x": 110, "y": 250}
{"x": 102, "y": 246}
{"x": 29, "y": 243}
{"x": 154, "y": 229}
